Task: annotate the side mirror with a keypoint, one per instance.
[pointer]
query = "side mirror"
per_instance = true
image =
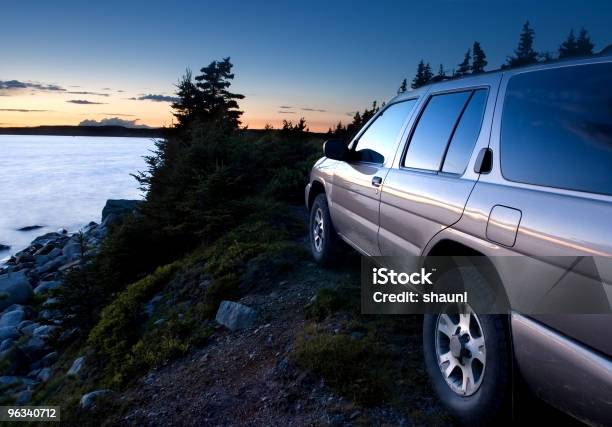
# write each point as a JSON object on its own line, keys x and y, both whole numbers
{"x": 335, "y": 149}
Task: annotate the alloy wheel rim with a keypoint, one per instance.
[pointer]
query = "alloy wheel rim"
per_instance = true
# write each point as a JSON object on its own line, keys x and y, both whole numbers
{"x": 461, "y": 349}
{"x": 318, "y": 229}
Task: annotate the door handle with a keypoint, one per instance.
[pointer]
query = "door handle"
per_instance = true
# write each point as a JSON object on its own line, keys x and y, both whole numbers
{"x": 376, "y": 181}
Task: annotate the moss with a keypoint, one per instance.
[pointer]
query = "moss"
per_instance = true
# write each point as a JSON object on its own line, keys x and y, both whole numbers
{"x": 357, "y": 369}
{"x": 114, "y": 334}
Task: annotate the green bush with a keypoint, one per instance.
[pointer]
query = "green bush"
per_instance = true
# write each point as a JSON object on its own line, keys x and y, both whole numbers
{"x": 326, "y": 302}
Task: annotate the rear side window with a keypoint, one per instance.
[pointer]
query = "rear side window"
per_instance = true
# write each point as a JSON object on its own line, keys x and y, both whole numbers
{"x": 466, "y": 134}
{"x": 446, "y": 132}
{"x": 378, "y": 143}
{"x": 557, "y": 128}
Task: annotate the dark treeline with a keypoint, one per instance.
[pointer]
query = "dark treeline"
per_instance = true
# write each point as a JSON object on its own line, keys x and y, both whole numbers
{"x": 475, "y": 60}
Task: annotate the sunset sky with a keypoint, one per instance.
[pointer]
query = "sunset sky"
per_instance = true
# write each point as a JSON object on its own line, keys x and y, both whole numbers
{"x": 64, "y": 62}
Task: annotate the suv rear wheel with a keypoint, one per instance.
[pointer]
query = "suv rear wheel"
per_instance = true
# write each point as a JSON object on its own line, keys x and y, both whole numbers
{"x": 324, "y": 242}
{"x": 468, "y": 360}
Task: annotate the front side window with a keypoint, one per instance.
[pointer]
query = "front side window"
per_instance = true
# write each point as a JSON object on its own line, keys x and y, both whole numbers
{"x": 557, "y": 128}
{"x": 378, "y": 143}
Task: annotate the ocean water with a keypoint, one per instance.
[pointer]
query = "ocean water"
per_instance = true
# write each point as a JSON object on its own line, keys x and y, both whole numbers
{"x": 63, "y": 182}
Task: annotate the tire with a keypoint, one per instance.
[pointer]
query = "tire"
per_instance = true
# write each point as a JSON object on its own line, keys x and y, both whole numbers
{"x": 324, "y": 242}
{"x": 490, "y": 393}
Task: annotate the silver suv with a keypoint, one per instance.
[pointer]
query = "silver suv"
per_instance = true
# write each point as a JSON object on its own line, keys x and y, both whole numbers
{"x": 516, "y": 162}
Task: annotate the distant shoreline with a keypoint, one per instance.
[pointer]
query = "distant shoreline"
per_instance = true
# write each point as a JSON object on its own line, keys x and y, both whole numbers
{"x": 108, "y": 131}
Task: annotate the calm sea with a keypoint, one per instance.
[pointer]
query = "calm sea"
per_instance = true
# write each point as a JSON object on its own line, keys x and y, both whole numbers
{"x": 62, "y": 182}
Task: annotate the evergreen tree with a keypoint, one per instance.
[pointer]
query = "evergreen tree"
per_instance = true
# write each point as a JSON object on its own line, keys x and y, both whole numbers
{"x": 188, "y": 99}
{"x": 218, "y": 103}
{"x": 419, "y": 78}
{"x": 479, "y": 59}
{"x": 584, "y": 46}
{"x": 403, "y": 87}
{"x": 427, "y": 74}
{"x": 464, "y": 67}
{"x": 441, "y": 72}
{"x": 568, "y": 47}
{"x": 524, "y": 53}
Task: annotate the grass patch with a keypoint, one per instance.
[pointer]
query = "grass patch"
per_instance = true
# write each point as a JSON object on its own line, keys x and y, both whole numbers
{"x": 357, "y": 369}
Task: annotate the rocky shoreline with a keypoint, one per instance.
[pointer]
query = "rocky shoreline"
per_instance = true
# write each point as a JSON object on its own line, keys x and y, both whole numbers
{"x": 29, "y": 323}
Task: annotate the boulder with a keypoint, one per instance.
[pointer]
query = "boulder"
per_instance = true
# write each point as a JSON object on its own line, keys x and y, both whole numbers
{"x": 90, "y": 399}
{"x": 72, "y": 250}
{"x": 12, "y": 318}
{"x": 235, "y": 316}
{"x": 55, "y": 252}
{"x": 50, "y": 266}
{"x": 46, "y": 238}
{"x": 8, "y": 332}
{"x": 30, "y": 227}
{"x": 117, "y": 208}
{"x": 6, "y": 344}
{"x": 23, "y": 397}
{"x": 77, "y": 366}
{"x": 4, "y": 247}
{"x": 43, "y": 331}
{"x": 41, "y": 259}
{"x": 44, "y": 375}
{"x": 16, "y": 289}
{"x": 27, "y": 327}
{"x": 49, "y": 359}
{"x": 44, "y": 287}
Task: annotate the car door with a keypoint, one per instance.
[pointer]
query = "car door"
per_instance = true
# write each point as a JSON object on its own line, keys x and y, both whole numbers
{"x": 357, "y": 181}
{"x": 429, "y": 187}
{"x": 549, "y": 195}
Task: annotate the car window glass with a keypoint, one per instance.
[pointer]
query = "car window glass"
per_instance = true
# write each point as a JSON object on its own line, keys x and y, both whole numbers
{"x": 378, "y": 143}
{"x": 433, "y": 131}
{"x": 465, "y": 135}
{"x": 557, "y": 128}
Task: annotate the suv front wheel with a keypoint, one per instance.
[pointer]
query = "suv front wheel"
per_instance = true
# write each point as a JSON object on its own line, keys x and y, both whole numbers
{"x": 324, "y": 242}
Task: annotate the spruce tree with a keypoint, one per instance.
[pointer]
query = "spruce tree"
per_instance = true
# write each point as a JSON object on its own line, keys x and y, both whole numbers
{"x": 188, "y": 99}
{"x": 524, "y": 53}
{"x": 218, "y": 103}
{"x": 403, "y": 87}
{"x": 584, "y": 46}
{"x": 464, "y": 66}
{"x": 479, "y": 59}
{"x": 419, "y": 77}
{"x": 568, "y": 47}
{"x": 427, "y": 74}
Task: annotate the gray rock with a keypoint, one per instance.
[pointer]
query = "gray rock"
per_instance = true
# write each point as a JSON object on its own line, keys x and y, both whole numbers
{"x": 235, "y": 316}
{"x": 15, "y": 287}
{"x": 46, "y": 238}
{"x": 117, "y": 208}
{"x": 12, "y": 318}
{"x": 44, "y": 331}
{"x": 6, "y": 344}
{"x": 44, "y": 375}
{"x": 41, "y": 259}
{"x": 89, "y": 400}
{"x": 27, "y": 327}
{"x": 8, "y": 332}
{"x": 30, "y": 227}
{"x": 44, "y": 287}
{"x": 77, "y": 366}
{"x": 62, "y": 231}
{"x": 72, "y": 250}
{"x": 49, "y": 359}
{"x": 50, "y": 266}
{"x": 23, "y": 397}
{"x": 34, "y": 348}
{"x": 55, "y": 252}
{"x": 4, "y": 247}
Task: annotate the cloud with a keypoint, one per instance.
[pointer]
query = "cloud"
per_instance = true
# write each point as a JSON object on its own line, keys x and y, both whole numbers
{"x": 155, "y": 98}
{"x": 84, "y": 102}
{"x": 285, "y": 107}
{"x": 285, "y": 112}
{"x": 22, "y": 110}
{"x": 313, "y": 109}
{"x": 117, "y": 114}
{"x": 114, "y": 121}
{"x": 88, "y": 93}
{"x": 6, "y": 85}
